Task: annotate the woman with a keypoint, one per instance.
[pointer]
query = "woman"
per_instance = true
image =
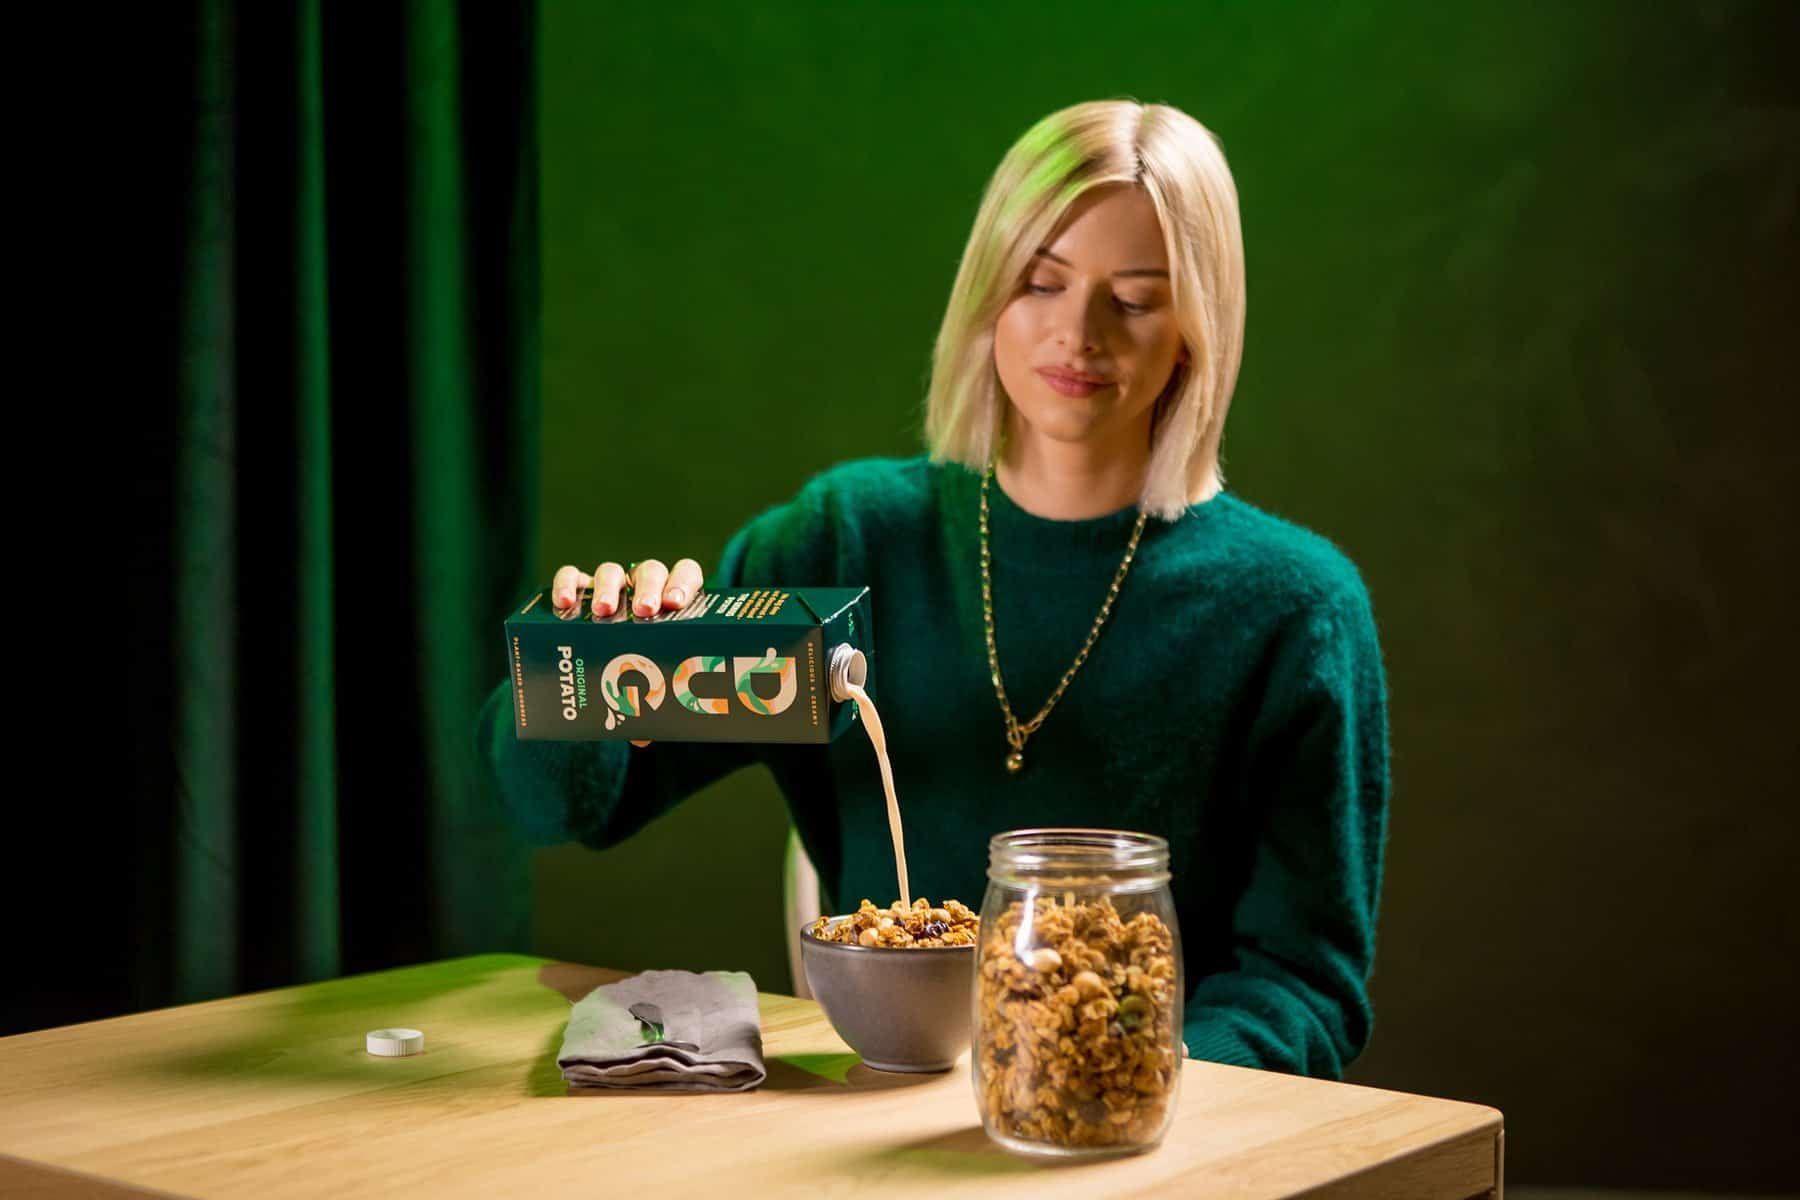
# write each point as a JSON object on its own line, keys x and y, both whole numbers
{"x": 1158, "y": 655}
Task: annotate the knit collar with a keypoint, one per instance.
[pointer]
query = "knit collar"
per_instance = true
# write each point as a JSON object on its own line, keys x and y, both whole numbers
{"x": 1021, "y": 538}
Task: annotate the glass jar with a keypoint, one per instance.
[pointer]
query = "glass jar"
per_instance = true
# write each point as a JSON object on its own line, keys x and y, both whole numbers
{"x": 1078, "y": 993}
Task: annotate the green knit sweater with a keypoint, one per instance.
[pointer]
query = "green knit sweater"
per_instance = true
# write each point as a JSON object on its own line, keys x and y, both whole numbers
{"x": 1235, "y": 704}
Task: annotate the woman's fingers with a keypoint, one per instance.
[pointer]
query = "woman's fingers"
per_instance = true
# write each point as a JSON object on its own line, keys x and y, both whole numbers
{"x": 647, "y": 587}
{"x": 653, "y": 586}
{"x": 566, "y": 587}
{"x": 685, "y": 578}
{"x": 609, "y": 577}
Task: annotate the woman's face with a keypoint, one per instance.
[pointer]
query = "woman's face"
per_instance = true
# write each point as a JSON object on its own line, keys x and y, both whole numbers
{"x": 1096, "y": 302}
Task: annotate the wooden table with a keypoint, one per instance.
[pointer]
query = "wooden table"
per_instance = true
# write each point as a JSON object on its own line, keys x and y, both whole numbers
{"x": 273, "y": 1094}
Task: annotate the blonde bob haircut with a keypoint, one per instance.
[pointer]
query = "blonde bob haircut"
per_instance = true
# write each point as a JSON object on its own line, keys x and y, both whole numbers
{"x": 1181, "y": 164}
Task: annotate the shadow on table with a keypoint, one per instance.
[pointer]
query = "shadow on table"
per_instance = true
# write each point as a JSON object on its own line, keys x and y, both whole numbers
{"x": 837, "y": 1073}
{"x": 575, "y": 981}
{"x": 962, "y": 1153}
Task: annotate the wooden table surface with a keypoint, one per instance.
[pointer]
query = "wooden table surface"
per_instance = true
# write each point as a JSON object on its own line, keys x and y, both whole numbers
{"x": 272, "y": 1094}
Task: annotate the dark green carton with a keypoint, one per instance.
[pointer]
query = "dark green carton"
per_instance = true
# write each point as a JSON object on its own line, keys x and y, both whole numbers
{"x": 734, "y": 665}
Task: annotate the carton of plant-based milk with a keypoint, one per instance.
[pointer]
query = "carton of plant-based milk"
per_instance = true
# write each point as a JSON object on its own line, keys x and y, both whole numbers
{"x": 733, "y": 665}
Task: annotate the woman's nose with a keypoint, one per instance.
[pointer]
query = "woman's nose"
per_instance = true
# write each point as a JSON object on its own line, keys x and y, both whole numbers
{"x": 1078, "y": 322}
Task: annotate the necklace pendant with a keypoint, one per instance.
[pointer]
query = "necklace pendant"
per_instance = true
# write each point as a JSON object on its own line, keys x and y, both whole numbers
{"x": 1015, "y": 762}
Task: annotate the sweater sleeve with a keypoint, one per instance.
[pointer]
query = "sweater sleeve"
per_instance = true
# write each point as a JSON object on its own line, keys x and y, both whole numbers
{"x": 601, "y": 792}
{"x": 1304, "y": 928}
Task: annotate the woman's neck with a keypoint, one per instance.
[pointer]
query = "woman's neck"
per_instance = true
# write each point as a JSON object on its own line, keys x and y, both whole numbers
{"x": 1071, "y": 481}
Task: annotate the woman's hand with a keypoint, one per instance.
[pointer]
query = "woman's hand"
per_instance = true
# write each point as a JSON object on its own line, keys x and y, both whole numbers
{"x": 652, "y": 588}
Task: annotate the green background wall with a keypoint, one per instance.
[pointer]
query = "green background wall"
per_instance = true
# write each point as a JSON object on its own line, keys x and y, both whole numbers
{"x": 1520, "y": 278}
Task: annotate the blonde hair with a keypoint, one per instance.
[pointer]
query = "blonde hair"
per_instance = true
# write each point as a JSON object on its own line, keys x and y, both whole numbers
{"x": 1181, "y": 164}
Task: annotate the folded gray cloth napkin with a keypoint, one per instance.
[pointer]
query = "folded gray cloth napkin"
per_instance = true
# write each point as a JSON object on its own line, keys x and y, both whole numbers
{"x": 673, "y": 1031}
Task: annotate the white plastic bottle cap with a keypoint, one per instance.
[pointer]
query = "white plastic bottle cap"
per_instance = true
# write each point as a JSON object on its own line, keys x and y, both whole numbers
{"x": 395, "y": 1043}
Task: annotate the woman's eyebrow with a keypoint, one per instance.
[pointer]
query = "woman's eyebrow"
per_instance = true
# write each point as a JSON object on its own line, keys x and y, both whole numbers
{"x": 1116, "y": 274}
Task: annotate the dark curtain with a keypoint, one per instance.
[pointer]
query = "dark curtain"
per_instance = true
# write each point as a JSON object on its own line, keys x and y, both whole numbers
{"x": 335, "y": 505}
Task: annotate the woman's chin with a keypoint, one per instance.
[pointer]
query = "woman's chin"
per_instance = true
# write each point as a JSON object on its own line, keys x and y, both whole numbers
{"x": 1072, "y": 422}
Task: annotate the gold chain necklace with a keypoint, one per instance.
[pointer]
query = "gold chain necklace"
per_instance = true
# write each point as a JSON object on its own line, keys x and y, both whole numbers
{"x": 1015, "y": 732}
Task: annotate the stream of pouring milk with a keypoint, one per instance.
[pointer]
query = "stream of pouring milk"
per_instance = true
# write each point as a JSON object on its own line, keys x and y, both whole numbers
{"x": 872, "y": 722}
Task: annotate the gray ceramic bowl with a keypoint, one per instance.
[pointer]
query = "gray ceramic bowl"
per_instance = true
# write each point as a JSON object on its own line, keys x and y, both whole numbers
{"x": 902, "y": 1010}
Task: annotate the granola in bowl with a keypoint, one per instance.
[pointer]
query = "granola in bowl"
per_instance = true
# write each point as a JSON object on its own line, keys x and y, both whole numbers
{"x": 897, "y": 927}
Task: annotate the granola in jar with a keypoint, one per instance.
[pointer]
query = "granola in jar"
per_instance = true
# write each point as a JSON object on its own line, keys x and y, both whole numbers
{"x": 1078, "y": 997}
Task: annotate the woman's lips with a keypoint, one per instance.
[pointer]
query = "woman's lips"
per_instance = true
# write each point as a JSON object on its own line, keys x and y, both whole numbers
{"x": 1072, "y": 385}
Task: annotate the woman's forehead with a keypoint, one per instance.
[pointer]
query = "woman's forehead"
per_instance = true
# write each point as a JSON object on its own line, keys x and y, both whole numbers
{"x": 1109, "y": 230}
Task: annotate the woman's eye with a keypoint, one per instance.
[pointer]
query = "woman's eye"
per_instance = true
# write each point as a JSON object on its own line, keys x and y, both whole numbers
{"x": 1039, "y": 289}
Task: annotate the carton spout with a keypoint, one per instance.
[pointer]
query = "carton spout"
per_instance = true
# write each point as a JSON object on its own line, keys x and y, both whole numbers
{"x": 847, "y": 666}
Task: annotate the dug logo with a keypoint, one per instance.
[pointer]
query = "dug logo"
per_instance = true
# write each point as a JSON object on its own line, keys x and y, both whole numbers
{"x": 633, "y": 685}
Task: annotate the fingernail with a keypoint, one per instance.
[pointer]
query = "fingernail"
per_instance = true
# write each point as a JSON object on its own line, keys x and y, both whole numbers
{"x": 643, "y": 610}
{"x": 675, "y": 596}
{"x": 607, "y": 610}
{"x": 564, "y": 599}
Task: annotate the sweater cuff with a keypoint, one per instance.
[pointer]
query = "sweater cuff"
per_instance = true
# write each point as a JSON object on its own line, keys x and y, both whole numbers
{"x": 1216, "y": 1041}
